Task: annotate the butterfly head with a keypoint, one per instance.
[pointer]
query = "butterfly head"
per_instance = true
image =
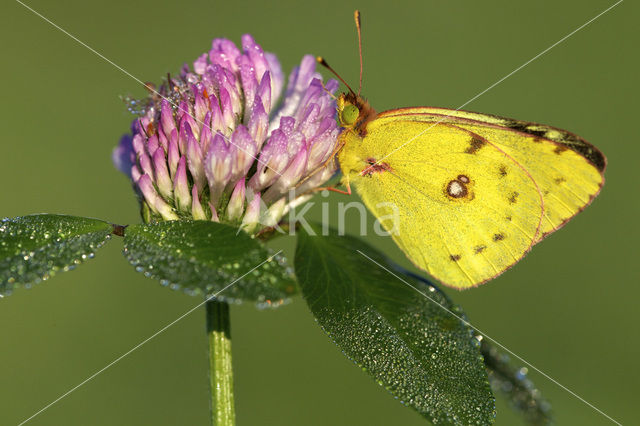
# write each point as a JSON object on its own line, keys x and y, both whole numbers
{"x": 354, "y": 112}
{"x": 347, "y": 112}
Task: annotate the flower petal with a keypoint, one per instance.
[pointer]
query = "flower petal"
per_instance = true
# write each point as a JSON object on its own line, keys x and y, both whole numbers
{"x": 155, "y": 202}
{"x": 163, "y": 180}
{"x": 236, "y": 202}
{"x": 217, "y": 167}
{"x": 242, "y": 152}
{"x": 181, "y": 186}
{"x": 195, "y": 161}
{"x": 196, "y": 208}
{"x": 224, "y": 53}
{"x": 123, "y": 155}
{"x": 277, "y": 77}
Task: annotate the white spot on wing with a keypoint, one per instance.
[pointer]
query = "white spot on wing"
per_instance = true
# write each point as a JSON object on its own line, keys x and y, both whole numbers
{"x": 455, "y": 189}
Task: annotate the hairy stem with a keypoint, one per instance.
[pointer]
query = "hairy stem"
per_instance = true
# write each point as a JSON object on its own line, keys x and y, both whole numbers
{"x": 513, "y": 383}
{"x": 220, "y": 370}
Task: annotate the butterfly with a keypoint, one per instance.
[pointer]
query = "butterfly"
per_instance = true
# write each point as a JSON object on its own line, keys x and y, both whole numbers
{"x": 470, "y": 193}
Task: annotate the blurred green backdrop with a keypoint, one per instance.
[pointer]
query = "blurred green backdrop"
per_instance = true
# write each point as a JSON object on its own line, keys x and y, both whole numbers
{"x": 570, "y": 307}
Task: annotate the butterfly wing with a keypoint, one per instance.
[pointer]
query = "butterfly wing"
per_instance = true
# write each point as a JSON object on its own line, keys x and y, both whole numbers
{"x": 567, "y": 169}
{"x": 459, "y": 206}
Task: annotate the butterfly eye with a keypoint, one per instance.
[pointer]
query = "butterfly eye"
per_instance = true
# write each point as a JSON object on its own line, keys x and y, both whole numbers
{"x": 349, "y": 114}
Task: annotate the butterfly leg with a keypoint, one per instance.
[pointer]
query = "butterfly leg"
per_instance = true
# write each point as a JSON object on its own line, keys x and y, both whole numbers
{"x": 334, "y": 189}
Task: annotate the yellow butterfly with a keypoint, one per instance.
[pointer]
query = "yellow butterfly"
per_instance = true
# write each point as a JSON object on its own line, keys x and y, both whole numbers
{"x": 473, "y": 192}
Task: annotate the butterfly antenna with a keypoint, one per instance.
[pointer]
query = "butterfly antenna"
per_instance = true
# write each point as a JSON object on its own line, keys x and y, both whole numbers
{"x": 324, "y": 63}
{"x": 356, "y": 17}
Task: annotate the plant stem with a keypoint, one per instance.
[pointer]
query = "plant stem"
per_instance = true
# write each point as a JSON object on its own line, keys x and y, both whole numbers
{"x": 514, "y": 384}
{"x": 220, "y": 371}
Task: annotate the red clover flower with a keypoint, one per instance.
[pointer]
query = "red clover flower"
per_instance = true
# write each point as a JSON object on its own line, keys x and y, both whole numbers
{"x": 215, "y": 143}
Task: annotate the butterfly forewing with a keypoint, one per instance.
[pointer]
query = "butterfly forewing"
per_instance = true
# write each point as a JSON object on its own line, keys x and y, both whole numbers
{"x": 567, "y": 169}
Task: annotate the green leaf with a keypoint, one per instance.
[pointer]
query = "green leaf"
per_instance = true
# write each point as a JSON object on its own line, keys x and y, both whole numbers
{"x": 422, "y": 353}
{"x": 204, "y": 257}
{"x": 33, "y": 248}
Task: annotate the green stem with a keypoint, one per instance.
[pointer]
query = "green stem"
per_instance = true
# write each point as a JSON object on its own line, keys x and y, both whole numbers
{"x": 220, "y": 371}
{"x": 514, "y": 384}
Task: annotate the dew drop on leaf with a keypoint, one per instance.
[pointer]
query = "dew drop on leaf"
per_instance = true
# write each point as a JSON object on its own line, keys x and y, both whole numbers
{"x": 29, "y": 254}
{"x": 201, "y": 257}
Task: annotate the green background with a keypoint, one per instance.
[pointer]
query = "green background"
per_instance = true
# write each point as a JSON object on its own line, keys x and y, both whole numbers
{"x": 570, "y": 307}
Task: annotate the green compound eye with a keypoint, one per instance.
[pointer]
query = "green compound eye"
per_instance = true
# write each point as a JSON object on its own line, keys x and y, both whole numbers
{"x": 350, "y": 114}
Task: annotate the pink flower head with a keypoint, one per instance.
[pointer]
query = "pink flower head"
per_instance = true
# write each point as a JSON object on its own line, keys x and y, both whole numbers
{"x": 219, "y": 143}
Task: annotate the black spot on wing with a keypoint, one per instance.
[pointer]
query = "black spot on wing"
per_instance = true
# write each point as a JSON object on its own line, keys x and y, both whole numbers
{"x": 479, "y": 249}
{"x": 474, "y": 145}
{"x": 498, "y": 237}
{"x": 560, "y": 149}
{"x": 455, "y": 257}
{"x": 591, "y": 153}
{"x": 513, "y": 198}
{"x": 457, "y": 188}
{"x": 566, "y": 139}
{"x": 525, "y": 127}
